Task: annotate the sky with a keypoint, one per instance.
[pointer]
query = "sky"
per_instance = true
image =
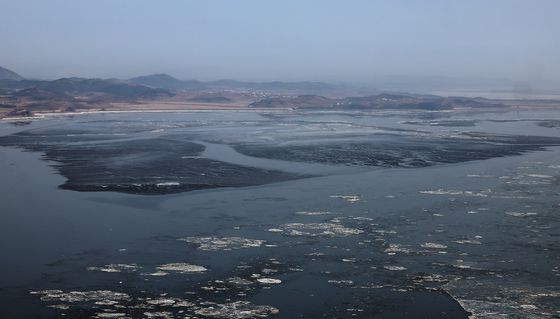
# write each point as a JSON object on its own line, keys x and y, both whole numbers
{"x": 322, "y": 40}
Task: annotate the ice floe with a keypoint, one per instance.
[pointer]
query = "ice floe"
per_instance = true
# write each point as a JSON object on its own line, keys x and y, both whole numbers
{"x": 238, "y": 281}
{"x": 181, "y": 268}
{"x": 520, "y": 214}
{"x": 223, "y": 243}
{"x": 116, "y": 268}
{"x": 80, "y": 296}
{"x": 109, "y": 304}
{"x": 269, "y": 281}
{"x": 165, "y": 184}
{"x": 319, "y": 229}
{"x": 484, "y": 193}
{"x": 494, "y": 301}
{"x": 393, "y": 249}
{"x": 433, "y": 246}
{"x": 341, "y": 282}
{"x": 313, "y": 213}
{"x": 237, "y": 310}
{"x": 394, "y": 268}
{"x": 469, "y": 241}
{"x": 110, "y": 315}
{"x": 348, "y": 198}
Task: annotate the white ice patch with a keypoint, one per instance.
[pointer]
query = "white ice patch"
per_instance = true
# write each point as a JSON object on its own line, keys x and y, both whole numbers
{"x": 237, "y": 310}
{"x": 468, "y": 242}
{"x": 492, "y": 300}
{"x": 319, "y": 229}
{"x": 539, "y": 176}
{"x": 341, "y": 282}
{"x": 393, "y": 249}
{"x": 520, "y": 214}
{"x": 313, "y": 213}
{"x": 348, "y": 198}
{"x": 110, "y": 315}
{"x": 239, "y": 281}
{"x": 275, "y": 230}
{"x": 157, "y": 274}
{"x": 166, "y": 184}
{"x": 433, "y": 246}
{"x": 166, "y": 302}
{"x": 394, "y": 268}
{"x": 116, "y": 268}
{"x": 441, "y": 191}
{"x": 181, "y": 268}
{"x": 81, "y": 296}
{"x": 269, "y": 281}
{"x": 223, "y": 243}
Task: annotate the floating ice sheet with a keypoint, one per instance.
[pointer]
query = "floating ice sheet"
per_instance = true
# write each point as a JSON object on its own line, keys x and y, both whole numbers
{"x": 348, "y": 198}
{"x": 81, "y": 296}
{"x": 520, "y": 214}
{"x": 237, "y": 310}
{"x": 394, "y": 267}
{"x": 319, "y": 229}
{"x": 181, "y": 268}
{"x": 433, "y": 246}
{"x": 223, "y": 243}
{"x": 116, "y": 268}
{"x": 269, "y": 280}
{"x": 313, "y": 213}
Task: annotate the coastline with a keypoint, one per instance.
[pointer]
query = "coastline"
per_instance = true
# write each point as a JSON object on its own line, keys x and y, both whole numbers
{"x": 43, "y": 115}
{"x": 119, "y": 108}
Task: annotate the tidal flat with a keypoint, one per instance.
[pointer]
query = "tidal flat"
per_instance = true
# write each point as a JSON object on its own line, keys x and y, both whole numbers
{"x": 285, "y": 215}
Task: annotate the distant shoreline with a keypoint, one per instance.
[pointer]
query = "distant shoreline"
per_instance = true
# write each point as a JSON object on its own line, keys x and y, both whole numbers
{"x": 179, "y": 107}
{"x": 43, "y": 115}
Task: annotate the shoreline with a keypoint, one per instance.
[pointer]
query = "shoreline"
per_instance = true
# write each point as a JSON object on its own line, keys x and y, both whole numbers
{"x": 43, "y": 115}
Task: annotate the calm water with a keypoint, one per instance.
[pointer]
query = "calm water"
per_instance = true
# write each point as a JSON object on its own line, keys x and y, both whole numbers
{"x": 339, "y": 241}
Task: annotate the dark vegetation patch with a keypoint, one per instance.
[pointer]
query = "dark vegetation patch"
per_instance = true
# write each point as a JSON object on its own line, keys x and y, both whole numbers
{"x": 400, "y": 151}
{"x": 159, "y": 165}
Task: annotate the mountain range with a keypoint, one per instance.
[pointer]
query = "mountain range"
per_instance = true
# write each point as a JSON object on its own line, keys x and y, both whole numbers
{"x": 165, "y": 81}
{"x": 156, "y": 85}
{"x": 19, "y": 96}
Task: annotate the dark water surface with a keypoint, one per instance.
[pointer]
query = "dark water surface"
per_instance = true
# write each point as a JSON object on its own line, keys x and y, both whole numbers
{"x": 295, "y": 215}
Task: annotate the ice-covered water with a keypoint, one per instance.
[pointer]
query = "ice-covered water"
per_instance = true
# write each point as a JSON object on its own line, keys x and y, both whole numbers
{"x": 172, "y": 222}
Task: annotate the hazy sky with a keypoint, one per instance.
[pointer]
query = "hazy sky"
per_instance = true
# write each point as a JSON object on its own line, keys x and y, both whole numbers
{"x": 346, "y": 40}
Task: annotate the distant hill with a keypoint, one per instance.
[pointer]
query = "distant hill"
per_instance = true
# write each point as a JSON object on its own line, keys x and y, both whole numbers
{"x": 42, "y": 95}
{"x": 380, "y": 101}
{"x": 162, "y": 81}
{"x": 21, "y": 96}
{"x": 165, "y": 81}
{"x": 6, "y": 74}
{"x": 24, "y": 97}
{"x": 114, "y": 89}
